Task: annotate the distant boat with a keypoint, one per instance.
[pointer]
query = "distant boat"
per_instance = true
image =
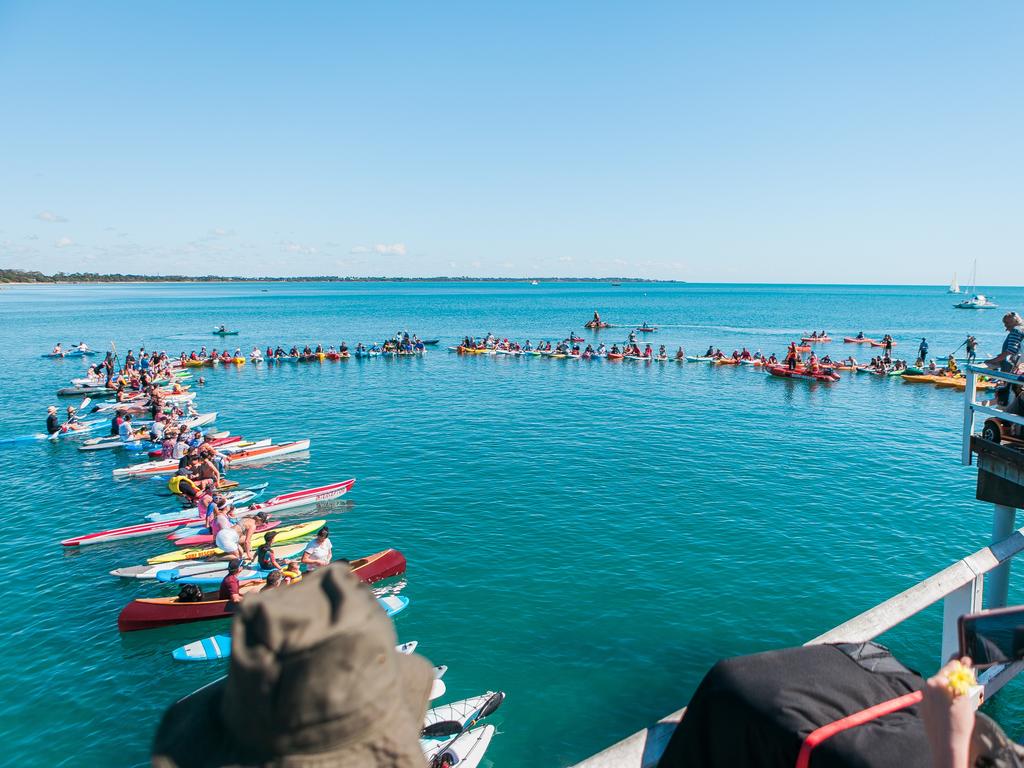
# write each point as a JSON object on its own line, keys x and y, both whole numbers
{"x": 977, "y": 300}
{"x": 616, "y": 283}
{"x": 534, "y": 282}
{"x": 954, "y": 287}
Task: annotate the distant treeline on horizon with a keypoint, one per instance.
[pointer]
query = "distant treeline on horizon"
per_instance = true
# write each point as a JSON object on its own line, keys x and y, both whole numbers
{"x": 24, "y": 276}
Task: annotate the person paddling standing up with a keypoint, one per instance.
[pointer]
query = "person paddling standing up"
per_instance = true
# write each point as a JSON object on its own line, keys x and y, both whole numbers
{"x": 792, "y": 356}
{"x": 972, "y": 349}
{"x": 1008, "y": 357}
{"x": 887, "y": 345}
{"x": 922, "y": 352}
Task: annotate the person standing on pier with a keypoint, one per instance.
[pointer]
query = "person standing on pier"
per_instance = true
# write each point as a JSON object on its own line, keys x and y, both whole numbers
{"x": 1007, "y": 358}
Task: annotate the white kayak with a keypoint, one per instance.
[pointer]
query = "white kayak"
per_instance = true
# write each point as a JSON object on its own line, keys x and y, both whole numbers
{"x": 192, "y": 568}
{"x": 440, "y": 724}
{"x": 466, "y": 751}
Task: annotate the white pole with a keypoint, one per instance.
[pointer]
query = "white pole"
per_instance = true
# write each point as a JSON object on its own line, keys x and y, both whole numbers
{"x": 1003, "y": 524}
{"x": 970, "y": 395}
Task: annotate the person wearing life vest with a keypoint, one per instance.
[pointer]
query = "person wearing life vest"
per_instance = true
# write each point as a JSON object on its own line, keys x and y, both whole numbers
{"x": 181, "y": 485}
{"x": 792, "y": 356}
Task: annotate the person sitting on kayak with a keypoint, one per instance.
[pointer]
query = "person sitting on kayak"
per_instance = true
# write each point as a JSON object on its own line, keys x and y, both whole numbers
{"x": 597, "y": 318}
{"x": 318, "y": 552}
{"x": 744, "y": 354}
{"x": 772, "y": 359}
{"x": 860, "y": 335}
{"x": 52, "y": 420}
{"x": 812, "y": 363}
{"x": 951, "y": 365}
{"x": 229, "y": 586}
{"x": 648, "y": 352}
{"x": 265, "y": 558}
{"x": 57, "y": 349}
{"x": 274, "y": 579}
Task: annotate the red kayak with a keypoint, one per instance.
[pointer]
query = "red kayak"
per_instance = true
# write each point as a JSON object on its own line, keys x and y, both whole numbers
{"x": 879, "y": 343}
{"x": 207, "y": 538}
{"x": 801, "y": 373}
{"x": 301, "y": 498}
{"x": 150, "y": 613}
{"x": 131, "y": 531}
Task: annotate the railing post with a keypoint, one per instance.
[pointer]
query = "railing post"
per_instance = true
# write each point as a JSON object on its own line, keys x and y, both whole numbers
{"x": 966, "y": 599}
{"x": 1003, "y": 523}
{"x": 970, "y": 395}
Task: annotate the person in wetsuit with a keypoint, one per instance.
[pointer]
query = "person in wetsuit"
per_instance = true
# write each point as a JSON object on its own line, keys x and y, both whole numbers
{"x": 52, "y": 422}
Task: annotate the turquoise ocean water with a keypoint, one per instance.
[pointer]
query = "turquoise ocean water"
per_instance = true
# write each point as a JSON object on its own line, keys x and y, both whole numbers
{"x": 588, "y": 537}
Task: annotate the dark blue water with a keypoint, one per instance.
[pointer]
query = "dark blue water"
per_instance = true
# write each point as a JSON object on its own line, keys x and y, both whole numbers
{"x": 588, "y": 537}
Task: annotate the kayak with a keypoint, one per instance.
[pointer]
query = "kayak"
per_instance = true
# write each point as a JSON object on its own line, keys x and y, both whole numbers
{"x": 199, "y": 539}
{"x": 72, "y": 353}
{"x": 879, "y": 343}
{"x": 225, "y": 333}
{"x": 783, "y": 372}
{"x": 727, "y": 361}
{"x": 212, "y": 574}
{"x": 592, "y": 325}
{"x": 646, "y": 329}
{"x": 440, "y": 724}
{"x": 77, "y": 391}
{"x": 219, "y": 647}
{"x": 148, "y": 613}
{"x": 815, "y": 339}
{"x": 287, "y": 533}
{"x": 698, "y": 359}
{"x": 467, "y": 750}
{"x": 192, "y": 568}
{"x": 804, "y": 348}
{"x": 127, "y": 532}
{"x": 301, "y": 498}
{"x": 215, "y": 443}
{"x": 914, "y": 378}
{"x": 852, "y": 340}
{"x": 266, "y": 452}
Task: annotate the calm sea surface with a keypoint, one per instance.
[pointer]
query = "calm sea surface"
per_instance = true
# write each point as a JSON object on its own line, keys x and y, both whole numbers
{"x": 588, "y": 537}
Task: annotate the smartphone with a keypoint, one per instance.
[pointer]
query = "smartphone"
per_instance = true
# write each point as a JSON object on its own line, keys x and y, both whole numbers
{"x": 993, "y": 637}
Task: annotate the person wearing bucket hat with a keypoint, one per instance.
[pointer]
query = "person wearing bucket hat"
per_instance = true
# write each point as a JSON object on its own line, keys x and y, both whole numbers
{"x": 314, "y": 682}
{"x": 52, "y": 422}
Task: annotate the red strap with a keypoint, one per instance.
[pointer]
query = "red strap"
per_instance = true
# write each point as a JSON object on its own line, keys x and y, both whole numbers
{"x": 815, "y": 737}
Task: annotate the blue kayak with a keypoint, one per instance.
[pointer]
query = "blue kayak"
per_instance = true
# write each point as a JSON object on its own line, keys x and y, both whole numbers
{"x": 219, "y": 646}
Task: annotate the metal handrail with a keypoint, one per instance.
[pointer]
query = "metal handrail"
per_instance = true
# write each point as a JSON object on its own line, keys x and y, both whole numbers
{"x": 972, "y": 407}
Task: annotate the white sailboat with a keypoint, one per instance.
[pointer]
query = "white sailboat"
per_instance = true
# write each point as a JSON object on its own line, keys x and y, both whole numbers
{"x": 954, "y": 287}
{"x": 977, "y": 300}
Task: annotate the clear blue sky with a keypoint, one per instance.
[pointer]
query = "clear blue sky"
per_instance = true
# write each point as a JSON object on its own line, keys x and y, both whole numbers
{"x": 778, "y": 142}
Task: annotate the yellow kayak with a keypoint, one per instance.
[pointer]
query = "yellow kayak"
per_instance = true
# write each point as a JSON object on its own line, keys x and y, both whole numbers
{"x": 285, "y": 533}
{"x": 239, "y": 361}
{"x": 923, "y": 378}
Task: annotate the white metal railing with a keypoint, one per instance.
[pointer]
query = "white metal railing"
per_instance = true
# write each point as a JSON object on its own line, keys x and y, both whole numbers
{"x": 972, "y": 407}
{"x": 961, "y": 588}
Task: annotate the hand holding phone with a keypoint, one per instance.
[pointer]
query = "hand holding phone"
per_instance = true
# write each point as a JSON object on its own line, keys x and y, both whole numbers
{"x": 993, "y": 637}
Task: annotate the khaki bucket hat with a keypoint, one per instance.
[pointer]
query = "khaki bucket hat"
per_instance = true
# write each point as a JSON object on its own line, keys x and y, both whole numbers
{"x": 314, "y": 681}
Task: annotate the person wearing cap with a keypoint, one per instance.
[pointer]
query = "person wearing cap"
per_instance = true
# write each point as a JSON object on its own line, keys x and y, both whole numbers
{"x": 317, "y": 553}
{"x": 342, "y": 696}
{"x": 52, "y": 422}
{"x": 229, "y": 585}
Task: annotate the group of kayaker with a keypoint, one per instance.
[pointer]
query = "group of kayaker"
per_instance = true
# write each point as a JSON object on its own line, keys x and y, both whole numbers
{"x": 81, "y": 348}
